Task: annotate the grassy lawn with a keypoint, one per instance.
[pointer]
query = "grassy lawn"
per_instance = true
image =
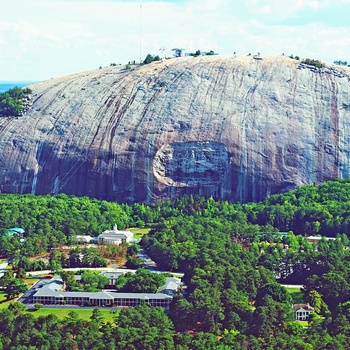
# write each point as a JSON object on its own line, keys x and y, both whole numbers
{"x": 2, "y": 296}
{"x": 29, "y": 281}
{"x": 63, "y": 312}
{"x": 3, "y": 302}
{"x": 303, "y": 323}
{"x": 139, "y": 232}
{"x": 296, "y": 294}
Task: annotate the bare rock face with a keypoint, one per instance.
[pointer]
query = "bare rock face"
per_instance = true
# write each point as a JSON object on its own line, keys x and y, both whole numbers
{"x": 233, "y": 127}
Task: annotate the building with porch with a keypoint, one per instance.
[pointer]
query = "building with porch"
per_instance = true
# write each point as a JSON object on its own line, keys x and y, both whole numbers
{"x": 302, "y": 311}
{"x": 52, "y": 293}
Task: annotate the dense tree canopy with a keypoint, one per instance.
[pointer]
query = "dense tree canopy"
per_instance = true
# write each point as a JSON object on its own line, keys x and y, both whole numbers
{"x": 12, "y": 101}
{"x": 232, "y": 256}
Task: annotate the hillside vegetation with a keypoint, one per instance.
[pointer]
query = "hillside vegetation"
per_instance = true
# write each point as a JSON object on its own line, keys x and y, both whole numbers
{"x": 231, "y": 256}
{"x": 13, "y": 101}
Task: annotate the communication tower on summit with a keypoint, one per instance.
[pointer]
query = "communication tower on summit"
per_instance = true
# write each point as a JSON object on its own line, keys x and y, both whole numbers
{"x": 162, "y": 56}
{"x": 140, "y": 32}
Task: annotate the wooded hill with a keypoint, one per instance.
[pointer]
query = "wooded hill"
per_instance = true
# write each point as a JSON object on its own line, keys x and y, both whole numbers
{"x": 231, "y": 255}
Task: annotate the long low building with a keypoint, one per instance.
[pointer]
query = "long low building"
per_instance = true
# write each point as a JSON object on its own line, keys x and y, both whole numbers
{"x": 52, "y": 293}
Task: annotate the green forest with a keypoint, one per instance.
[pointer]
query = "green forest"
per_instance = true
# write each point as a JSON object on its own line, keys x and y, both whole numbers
{"x": 233, "y": 256}
{"x": 12, "y": 102}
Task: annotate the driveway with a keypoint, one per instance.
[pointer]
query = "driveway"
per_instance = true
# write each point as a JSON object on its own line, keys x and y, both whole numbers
{"x": 3, "y": 268}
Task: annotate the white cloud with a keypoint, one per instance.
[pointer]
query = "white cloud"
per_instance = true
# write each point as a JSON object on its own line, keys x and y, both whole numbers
{"x": 41, "y": 38}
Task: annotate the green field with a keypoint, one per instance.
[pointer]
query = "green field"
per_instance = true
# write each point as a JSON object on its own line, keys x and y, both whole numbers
{"x": 29, "y": 281}
{"x": 84, "y": 314}
{"x": 3, "y": 301}
{"x": 61, "y": 312}
{"x": 139, "y": 232}
{"x": 296, "y": 295}
{"x": 2, "y": 297}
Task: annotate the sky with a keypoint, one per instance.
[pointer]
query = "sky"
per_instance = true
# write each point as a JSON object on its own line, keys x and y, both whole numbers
{"x": 41, "y": 39}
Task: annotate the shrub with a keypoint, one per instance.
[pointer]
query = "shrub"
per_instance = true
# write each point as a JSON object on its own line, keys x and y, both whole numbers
{"x": 149, "y": 59}
{"x": 313, "y": 62}
{"x": 12, "y": 102}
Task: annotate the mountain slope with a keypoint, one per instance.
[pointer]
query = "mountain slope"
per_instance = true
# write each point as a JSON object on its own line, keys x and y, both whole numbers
{"x": 234, "y": 127}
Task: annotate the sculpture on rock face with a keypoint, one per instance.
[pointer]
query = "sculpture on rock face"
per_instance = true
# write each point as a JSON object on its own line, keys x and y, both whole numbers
{"x": 191, "y": 164}
{"x": 232, "y": 127}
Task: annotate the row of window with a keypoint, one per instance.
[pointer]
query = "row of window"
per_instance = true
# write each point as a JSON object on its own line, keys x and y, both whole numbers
{"x": 81, "y": 300}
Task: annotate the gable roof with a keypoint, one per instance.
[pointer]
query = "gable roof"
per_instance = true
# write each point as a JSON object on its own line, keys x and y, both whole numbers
{"x": 304, "y": 307}
{"x": 53, "y": 287}
{"x": 171, "y": 285}
{"x": 116, "y": 234}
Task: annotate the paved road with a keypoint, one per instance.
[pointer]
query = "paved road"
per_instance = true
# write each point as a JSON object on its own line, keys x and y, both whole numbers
{"x": 292, "y": 285}
{"x": 3, "y": 268}
{"x": 152, "y": 266}
{"x": 106, "y": 269}
{"x": 149, "y": 263}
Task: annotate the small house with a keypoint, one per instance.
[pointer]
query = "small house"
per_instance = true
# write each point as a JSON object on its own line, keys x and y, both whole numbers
{"x": 302, "y": 311}
{"x": 178, "y": 52}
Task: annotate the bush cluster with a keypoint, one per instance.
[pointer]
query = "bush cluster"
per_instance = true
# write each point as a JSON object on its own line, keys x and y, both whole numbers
{"x": 12, "y": 102}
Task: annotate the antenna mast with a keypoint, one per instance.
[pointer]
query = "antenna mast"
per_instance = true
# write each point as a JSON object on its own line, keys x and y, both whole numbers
{"x": 162, "y": 49}
{"x": 140, "y": 32}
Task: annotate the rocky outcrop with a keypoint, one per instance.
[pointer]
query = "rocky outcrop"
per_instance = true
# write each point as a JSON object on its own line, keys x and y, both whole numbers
{"x": 234, "y": 127}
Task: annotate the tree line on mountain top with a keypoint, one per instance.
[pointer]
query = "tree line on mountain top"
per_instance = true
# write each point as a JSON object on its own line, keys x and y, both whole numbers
{"x": 12, "y": 101}
{"x": 230, "y": 254}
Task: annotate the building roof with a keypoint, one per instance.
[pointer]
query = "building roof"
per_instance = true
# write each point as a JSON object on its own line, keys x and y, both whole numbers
{"x": 171, "y": 285}
{"x": 116, "y": 234}
{"x": 318, "y": 238}
{"x": 52, "y": 289}
{"x": 112, "y": 274}
{"x": 304, "y": 307}
{"x": 13, "y": 230}
{"x": 84, "y": 237}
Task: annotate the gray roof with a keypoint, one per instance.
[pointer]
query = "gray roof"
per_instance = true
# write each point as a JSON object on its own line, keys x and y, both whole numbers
{"x": 116, "y": 234}
{"x": 171, "y": 285}
{"x": 112, "y": 274}
{"x": 52, "y": 289}
{"x": 102, "y": 295}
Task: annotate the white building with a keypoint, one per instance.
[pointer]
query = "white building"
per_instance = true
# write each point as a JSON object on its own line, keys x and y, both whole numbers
{"x": 115, "y": 236}
{"x": 81, "y": 239}
{"x": 302, "y": 311}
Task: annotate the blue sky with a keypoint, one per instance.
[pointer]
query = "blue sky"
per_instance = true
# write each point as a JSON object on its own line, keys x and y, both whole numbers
{"x": 40, "y": 39}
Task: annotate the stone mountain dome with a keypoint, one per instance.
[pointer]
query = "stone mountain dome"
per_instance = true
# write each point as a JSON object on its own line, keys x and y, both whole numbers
{"x": 233, "y": 127}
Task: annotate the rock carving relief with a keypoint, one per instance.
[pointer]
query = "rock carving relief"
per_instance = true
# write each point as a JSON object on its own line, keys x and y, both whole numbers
{"x": 191, "y": 164}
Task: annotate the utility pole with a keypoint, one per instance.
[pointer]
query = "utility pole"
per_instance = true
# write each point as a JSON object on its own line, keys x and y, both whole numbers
{"x": 140, "y": 31}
